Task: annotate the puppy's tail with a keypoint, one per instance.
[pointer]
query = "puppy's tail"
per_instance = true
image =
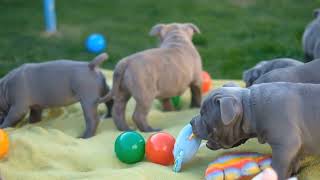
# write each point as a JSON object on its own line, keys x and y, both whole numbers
{"x": 117, "y": 78}
{"x": 98, "y": 60}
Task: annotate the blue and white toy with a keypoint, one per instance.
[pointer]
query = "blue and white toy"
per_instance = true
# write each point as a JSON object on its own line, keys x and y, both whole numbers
{"x": 96, "y": 43}
{"x": 185, "y": 148}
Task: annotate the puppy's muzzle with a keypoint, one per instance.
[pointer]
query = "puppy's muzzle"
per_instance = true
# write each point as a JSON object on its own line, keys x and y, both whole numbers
{"x": 213, "y": 145}
{"x": 199, "y": 128}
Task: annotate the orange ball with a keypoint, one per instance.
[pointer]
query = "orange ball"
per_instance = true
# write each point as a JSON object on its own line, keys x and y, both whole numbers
{"x": 206, "y": 82}
{"x": 4, "y": 143}
{"x": 159, "y": 148}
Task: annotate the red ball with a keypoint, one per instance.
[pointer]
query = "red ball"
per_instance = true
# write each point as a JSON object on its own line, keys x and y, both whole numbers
{"x": 159, "y": 148}
{"x": 206, "y": 82}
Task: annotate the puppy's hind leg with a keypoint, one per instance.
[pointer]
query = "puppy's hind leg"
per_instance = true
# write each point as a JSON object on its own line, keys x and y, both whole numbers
{"x": 109, "y": 105}
{"x": 140, "y": 115}
{"x": 118, "y": 111}
{"x": 195, "y": 95}
{"x": 35, "y": 115}
{"x": 91, "y": 117}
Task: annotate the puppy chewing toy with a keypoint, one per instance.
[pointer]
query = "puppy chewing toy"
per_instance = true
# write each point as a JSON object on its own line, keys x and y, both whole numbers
{"x": 185, "y": 148}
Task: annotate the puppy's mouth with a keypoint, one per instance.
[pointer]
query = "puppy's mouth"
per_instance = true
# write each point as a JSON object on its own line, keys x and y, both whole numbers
{"x": 198, "y": 129}
{"x": 242, "y": 141}
{"x": 213, "y": 145}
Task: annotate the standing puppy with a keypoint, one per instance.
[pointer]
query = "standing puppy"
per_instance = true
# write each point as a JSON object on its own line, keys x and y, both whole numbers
{"x": 159, "y": 73}
{"x": 58, "y": 83}
{"x": 285, "y": 115}
{"x": 306, "y": 73}
{"x": 263, "y": 67}
{"x": 311, "y": 38}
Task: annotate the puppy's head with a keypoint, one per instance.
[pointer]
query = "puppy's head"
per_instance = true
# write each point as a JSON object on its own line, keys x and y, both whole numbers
{"x": 250, "y": 76}
{"x": 316, "y": 13}
{"x": 221, "y": 119}
{"x": 185, "y": 30}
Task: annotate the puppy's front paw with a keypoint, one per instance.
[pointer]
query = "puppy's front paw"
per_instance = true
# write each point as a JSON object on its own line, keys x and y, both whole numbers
{"x": 125, "y": 129}
{"x": 150, "y": 129}
{"x": 85, "y": 136}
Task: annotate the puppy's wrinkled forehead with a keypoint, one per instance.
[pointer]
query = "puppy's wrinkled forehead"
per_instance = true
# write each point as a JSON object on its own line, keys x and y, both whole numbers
{"x": 174, "y": 26}
{"x": 185, "y": 29}
{"x": 224, "y": 91}
{"x": 211, "y": 100}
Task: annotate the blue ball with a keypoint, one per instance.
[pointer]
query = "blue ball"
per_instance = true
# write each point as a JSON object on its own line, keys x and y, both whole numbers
{"x": 96, "y": 43}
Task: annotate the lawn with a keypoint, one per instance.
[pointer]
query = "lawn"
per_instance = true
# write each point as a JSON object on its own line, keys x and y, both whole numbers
{"x": 236, "y": 34}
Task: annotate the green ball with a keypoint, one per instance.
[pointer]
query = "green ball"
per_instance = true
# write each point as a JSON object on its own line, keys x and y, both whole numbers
{"x": 130, "y": 147}
{"x": 176, "y": 101}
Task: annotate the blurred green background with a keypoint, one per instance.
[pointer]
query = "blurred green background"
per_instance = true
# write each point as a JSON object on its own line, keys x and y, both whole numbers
{"x": 236, "y": 34}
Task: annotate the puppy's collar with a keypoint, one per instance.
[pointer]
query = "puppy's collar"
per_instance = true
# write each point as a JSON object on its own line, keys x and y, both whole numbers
{"x": 248, "y": 123}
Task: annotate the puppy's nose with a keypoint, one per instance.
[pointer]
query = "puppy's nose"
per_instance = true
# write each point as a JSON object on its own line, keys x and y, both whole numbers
{"x": 193, "y": 122}
{"x": 194, "y": 126}
{"x": 197, "y": 127}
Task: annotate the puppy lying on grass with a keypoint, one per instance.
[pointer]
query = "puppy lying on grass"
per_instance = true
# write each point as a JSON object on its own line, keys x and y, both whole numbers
{"x": 284, "y": 115}
{"x": 311, "y": 38}
{"x": 58, "y": 83}
{"x": 159, "y": 73}
{"x": 263, "y": 67}
{"x": 306, "y": 73}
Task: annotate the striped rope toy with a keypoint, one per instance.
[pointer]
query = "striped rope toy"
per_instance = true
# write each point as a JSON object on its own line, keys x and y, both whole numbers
{"x": 237, "y": 166}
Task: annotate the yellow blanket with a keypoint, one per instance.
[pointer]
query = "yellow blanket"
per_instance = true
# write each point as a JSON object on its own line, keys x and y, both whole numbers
{"x": 49, "y": 150}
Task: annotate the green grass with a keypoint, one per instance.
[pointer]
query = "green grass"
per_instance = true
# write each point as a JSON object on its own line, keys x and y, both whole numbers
{"x": 236, "y": 34}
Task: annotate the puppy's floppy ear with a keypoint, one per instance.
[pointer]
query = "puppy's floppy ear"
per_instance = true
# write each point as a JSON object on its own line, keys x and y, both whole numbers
{"x": 230, "y": 109}
{"x": 193, "y": 27}
{"x": 156, "y": 30}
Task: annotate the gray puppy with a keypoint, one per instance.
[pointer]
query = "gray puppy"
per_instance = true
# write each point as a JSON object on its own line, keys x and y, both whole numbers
{"x": 159, "y": 73}
{"x": 230, "y": 84}
{"x": 263, "y": 67}
{"x": 58, "y": 83}
{"x": 311, "y": 38}
{"x": 284, "y": 115}
{"x": 306, "y": 73}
